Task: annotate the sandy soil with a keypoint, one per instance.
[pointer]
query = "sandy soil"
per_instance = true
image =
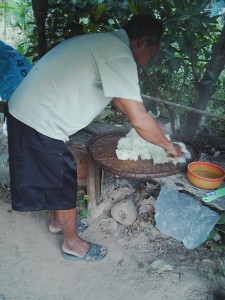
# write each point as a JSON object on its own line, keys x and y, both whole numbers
{"x": 141, "y": 263}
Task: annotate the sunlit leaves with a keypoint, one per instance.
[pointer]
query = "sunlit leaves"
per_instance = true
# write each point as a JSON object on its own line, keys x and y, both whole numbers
{"x": 187, "y": 44}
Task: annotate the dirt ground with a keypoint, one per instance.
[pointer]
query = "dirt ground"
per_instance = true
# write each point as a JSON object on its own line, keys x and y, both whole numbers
{"x": 141, "y": 262}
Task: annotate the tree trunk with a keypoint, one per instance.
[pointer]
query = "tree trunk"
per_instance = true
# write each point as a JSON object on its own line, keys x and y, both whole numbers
{"x": 206, "y": 85}
{"x": 40, "y": 8}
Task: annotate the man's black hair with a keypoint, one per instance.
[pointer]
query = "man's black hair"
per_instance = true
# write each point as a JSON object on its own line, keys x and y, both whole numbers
{"x": 144, "y": 25}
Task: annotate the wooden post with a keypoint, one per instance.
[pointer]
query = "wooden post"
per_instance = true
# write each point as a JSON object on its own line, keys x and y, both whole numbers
{"x": 93, "y": 183}
{"x": 40, "y": 8}
{"x": 88, "y": 175}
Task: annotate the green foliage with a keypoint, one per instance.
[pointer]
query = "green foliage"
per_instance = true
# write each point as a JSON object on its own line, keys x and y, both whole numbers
{"x": 219, "y": 228}
{"x": 187, "y": 45}
{"x": 220, "y": 272}
{"x": 69, "y": 18}
{"x": 18, "y": 15}
{"x": 82, "y": 210}
{"x": 221, "y": 219}
{"x": 187, "y": 39}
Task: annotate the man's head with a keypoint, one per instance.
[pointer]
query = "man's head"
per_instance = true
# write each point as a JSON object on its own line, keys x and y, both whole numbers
{"x": 145, "y": 33}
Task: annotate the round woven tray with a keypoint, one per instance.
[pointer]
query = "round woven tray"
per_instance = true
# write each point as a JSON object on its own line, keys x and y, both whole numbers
{"x": 102, "y": 150}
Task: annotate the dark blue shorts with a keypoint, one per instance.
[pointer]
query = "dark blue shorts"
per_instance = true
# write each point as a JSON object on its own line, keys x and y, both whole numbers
{"x": 43, "y": 171}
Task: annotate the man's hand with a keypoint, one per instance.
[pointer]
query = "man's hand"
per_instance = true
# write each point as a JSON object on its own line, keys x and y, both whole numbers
{"x": 147, "y": 127}
{"x": 173, "y": 150}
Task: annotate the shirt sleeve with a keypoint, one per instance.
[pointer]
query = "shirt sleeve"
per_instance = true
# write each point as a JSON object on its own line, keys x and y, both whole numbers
{"x": 119, "y": 78}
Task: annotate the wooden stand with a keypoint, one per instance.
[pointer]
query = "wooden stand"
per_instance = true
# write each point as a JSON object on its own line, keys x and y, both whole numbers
{"x": 89, "y": 174}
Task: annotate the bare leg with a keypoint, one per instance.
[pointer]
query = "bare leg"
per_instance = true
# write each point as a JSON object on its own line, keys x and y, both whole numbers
{"x": 72, "y": 242}
{"x": 54, "y": 224}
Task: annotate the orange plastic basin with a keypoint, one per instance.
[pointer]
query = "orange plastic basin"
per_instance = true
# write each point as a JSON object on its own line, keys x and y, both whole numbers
{"x": 205, "y": 175}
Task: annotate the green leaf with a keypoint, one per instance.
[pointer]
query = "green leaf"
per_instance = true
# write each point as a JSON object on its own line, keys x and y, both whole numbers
{"x": 86, "y": 197}
{"x": 6, "y": 7}
{"x": 172, "y": 3}
{"x": 218, "y": 248}
{"x": 80, "y": 202}
{"x": 221, "y": 227}
{"x": 221, "y": 219}
{"x": 206, "y": 82}
{"x": 99, "y": 11}
{"x": 211, "y": 235}
{"x": 133, "y": 7}
{"x": 221, "y": 272}
{"x": 211, "y": 75}
{"x": 184, "y": 17}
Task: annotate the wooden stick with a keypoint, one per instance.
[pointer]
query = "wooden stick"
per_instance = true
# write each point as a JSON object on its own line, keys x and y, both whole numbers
{"x": 198, "y": 111}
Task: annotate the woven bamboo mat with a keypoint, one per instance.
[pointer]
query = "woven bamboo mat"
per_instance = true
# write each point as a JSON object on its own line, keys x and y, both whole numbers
{"x": 102, "y": 150}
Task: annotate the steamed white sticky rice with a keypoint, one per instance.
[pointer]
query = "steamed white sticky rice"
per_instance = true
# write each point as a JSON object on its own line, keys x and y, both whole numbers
{"x": 133, "y": 147}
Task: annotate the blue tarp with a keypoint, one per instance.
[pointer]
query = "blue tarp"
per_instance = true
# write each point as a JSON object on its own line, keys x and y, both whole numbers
{"x": 13, "y": 68}
{"x": 217, "y": 8}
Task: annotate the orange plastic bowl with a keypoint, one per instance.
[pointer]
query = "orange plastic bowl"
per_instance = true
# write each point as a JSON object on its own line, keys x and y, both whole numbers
{"x": 205, "y": 175}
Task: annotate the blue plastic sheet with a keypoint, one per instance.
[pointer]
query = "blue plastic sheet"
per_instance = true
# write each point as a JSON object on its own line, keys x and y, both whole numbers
{"x": 13, "y": 68}
{"x": 180, "y": 216}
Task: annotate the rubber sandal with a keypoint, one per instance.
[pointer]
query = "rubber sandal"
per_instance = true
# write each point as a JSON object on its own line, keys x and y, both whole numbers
{"x": 94, "y": 254}
{"x": 81, "y": 227}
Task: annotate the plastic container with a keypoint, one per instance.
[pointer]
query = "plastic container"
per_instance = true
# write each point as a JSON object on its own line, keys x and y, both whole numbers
{"x": 205, "y": 175}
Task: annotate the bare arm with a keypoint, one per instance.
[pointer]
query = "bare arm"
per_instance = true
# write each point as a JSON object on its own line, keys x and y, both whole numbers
{"x": 145, "y": 125}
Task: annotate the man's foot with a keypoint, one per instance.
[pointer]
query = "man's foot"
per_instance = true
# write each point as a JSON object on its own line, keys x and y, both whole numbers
{"x": 94, "y": 253}
{"x": 81, "y": 227}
